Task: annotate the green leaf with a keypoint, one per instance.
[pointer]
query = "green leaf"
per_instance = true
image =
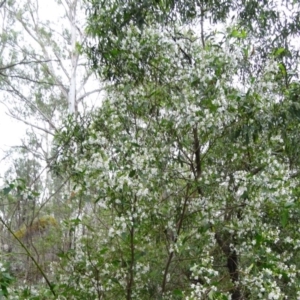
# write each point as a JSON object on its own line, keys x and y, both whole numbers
{"x": 8, "y": 189}
{"x": 211, "y": 295}
{"x": 114, "y": 52}
{"x": 177, "y": 292}
{"x": 103, "y": 251}
{"x": 115, "y": 280}
{"x": 132, "y": 173}
{"x": 279, "y": 51}
{"x": 284, "y": 217}
{"x": 242, "y": 34}
{"x": 259, "y": 238}
{"x": 76, "y": 221}
{"x": 282, "y": 68}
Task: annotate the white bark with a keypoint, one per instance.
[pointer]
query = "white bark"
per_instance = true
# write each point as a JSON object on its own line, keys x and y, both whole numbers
{"x": 74, "y": 59}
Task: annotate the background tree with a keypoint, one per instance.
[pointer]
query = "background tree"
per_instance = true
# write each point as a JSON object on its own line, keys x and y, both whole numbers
{"x": 43, "y": 80}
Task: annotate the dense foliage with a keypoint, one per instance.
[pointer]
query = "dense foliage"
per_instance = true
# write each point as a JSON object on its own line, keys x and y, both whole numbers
{"x": 186, "y": 178}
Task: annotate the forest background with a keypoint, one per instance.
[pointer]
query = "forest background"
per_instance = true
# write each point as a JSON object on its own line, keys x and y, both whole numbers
{"x": 160, "y": 158}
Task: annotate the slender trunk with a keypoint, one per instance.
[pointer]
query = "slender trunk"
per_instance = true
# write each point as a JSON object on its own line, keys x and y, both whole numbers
{"x": 74, "y": 61}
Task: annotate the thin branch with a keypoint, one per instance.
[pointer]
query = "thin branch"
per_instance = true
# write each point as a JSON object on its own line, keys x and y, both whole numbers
{"x": 197, "y": 153}
{"x": 53, "y": 194}
{"x": 30, "y": 124}
{"x": 132, "y": 258}
{"x": 2, "y": 3}
{"x": 28, "y": 79}
{"x": 61, "y": 64}
{"x": 84, "y": 81}
{"x": 89, "y": 93}
{"x": 30, "y": 256}
{"x": 46, "y": 54}
{"x": 179, "y": 226}
{"x": 30, "y": 104}
{"x": 24, "y": 62}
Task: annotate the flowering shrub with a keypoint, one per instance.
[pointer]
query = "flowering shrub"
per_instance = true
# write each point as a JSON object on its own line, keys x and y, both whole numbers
{"x": 191, "y": 196}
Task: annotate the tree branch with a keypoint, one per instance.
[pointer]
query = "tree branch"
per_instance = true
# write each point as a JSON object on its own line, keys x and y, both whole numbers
{"x": 24, "y": 62}
{"x": 179, "y": 226}
{"x": 2, "y": 3}
{"x": 29, "y": 103}
{"x": 30, "y": 124}
{"x": 30, "y": 256}
{"x": 88, "y": 93}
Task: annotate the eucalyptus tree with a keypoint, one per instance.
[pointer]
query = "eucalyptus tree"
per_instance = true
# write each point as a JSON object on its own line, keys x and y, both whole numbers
{"x": 43, "y": 80}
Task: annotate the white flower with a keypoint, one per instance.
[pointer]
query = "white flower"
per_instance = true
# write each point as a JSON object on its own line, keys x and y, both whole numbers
{"x": 272, "y": 295}
{"x": 111, "y": 232}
